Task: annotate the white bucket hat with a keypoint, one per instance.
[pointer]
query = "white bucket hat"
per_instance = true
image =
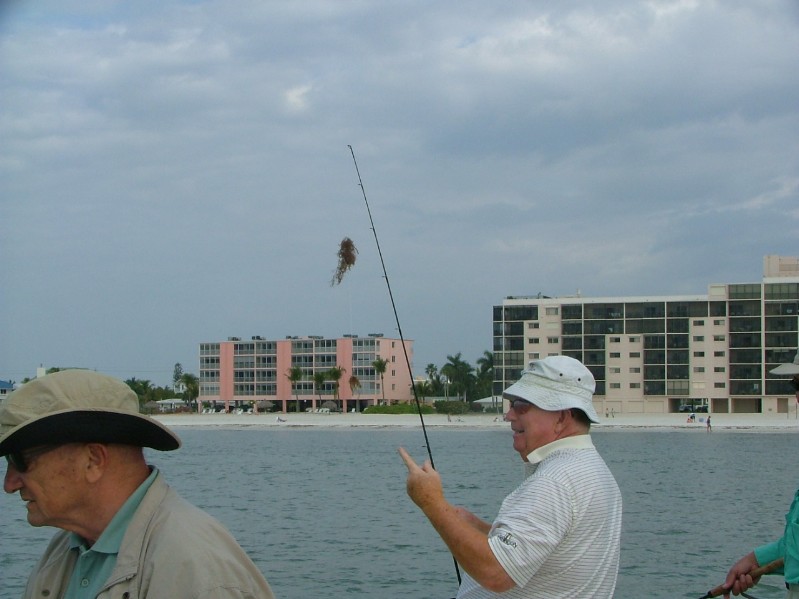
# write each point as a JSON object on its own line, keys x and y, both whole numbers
{"x": 557, "y": 383}
{"x": 791, "y": 368}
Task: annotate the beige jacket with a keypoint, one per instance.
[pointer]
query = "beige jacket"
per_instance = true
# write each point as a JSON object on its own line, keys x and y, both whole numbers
{"x": 171, "y": 550}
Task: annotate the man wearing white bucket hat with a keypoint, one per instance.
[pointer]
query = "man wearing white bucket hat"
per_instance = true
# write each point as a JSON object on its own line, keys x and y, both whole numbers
{"x": 73, "y": 441}
{"x": 557, "y": 536}
{"x": 739, "y": 579}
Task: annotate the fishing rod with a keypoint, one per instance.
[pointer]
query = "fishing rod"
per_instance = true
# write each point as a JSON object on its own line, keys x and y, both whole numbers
{"x": 756, "y": 573}
{"x": 399, "y": 327}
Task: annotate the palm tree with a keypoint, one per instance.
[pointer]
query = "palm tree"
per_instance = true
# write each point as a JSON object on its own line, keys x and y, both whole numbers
{"x": 485, "y": 375}
{"x": 144, "y": 389}
{"x": 319, "y": 379}
{"x": 191, "y": 387}
{"x": 423, "y": 389}
{"x": 380, "y": 368}
{"x": 335, "y": 374}
{"x": 355, "y": 388}
{"x": 460, "y": 373}
{"x": 294, "y": 374}
{"x": 434, "y": 378}
{"x": 486, "y": 361}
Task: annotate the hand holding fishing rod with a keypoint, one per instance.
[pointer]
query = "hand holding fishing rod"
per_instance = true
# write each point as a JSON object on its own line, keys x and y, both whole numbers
{"x": 462, "y": 531}
{"x": 752, "y": 574}
{"x": 424, "y": 483}
{"x": 425, "y": 489}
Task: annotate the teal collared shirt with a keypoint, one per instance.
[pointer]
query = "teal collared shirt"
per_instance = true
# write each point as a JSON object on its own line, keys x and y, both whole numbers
{"x": 95, "y": 564}
{"x": 786, "y": 547}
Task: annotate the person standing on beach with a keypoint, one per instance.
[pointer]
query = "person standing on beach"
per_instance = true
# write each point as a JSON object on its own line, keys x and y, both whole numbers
{"x": 739, "y": 579}
{"x": 73, "y": 442}
{"x": 558, "y": 534}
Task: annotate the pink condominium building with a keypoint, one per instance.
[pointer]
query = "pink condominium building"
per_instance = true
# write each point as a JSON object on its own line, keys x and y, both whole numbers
{"x": 240, "y": 374}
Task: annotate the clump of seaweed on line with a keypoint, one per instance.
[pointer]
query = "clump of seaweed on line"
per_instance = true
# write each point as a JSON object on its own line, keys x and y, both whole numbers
{"x": 346, "y": 260}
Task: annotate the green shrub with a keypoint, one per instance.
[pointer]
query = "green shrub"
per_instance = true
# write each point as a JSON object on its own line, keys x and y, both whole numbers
{"x": 400, "y": 408}
{"x": 451, "y": 407}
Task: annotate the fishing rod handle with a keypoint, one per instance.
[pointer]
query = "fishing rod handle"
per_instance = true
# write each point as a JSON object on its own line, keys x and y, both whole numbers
{"x": 756, "y": 573}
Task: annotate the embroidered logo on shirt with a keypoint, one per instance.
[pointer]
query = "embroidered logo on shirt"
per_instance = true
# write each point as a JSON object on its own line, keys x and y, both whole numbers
{"x": 507, "y": 538}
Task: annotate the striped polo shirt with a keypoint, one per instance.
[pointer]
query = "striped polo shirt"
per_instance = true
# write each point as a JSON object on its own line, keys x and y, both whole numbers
{"x": 558, "y": 534}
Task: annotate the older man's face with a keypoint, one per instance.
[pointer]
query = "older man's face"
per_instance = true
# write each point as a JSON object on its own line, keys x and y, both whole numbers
{"x": 532, "y": 427}
{"x": 52, "y": 486}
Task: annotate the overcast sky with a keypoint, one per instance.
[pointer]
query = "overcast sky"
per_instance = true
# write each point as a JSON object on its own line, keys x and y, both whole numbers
{"x": 174, "y": 172}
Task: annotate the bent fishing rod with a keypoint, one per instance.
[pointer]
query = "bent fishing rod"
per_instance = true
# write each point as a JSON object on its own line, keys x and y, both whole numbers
{"x": 756, "y": 573}
{"x": 399, "y": 328}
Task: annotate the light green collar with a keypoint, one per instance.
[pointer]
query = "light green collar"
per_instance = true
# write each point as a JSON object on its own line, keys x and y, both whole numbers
{"x": 574, "y": 442}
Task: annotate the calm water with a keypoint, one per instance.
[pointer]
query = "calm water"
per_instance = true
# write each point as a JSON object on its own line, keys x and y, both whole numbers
{"x": 324, "y": 512}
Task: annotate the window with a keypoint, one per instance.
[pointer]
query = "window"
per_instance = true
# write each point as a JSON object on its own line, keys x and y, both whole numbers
{"x": 635, "y": 354}
{"x": 699, "y": 368}
{"x": 635, "y": 385}
{"x": 615, "y": 385}
{"x": 552, "y": 339}
{"x": 615, "y": 371}
{"x": 719, "y": 385}
{"x": 719, "y": 369}
{"x": 533, "y": 340}
{"x": 699, "y": 323}
{"x": 699, "y": 337}
{"x": 635, "y": 339}
{"x": 718, "y": 354}
{"x": 532, "y": 325}
{"x": 718, "y": 337}
{"x": 534, "y": 356}
{"x": 635, "y": 369}
{"x": 552, "y": 311}
{"x": 699, "y": 354}
{"x": 615, "y": 339}
{"x": 615, "y": 354}
{"x": 744, "y": 291}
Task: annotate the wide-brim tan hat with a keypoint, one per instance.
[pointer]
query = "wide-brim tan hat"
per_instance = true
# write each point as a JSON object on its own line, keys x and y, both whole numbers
{"x": 78, "y": 406}
{"x": 789, "y": 368}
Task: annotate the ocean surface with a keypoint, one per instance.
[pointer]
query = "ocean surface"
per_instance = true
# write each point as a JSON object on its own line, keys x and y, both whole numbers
{"x": 324, "y": 512}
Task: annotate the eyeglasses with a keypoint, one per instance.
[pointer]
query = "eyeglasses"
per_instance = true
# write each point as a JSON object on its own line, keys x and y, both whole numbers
{"x": 21, "y": 460}
{"x": 520, "y": 406}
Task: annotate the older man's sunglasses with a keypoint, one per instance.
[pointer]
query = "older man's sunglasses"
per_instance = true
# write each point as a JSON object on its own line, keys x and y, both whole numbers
{"x": 520, "y": 406}
{"x": 21, "y": 460}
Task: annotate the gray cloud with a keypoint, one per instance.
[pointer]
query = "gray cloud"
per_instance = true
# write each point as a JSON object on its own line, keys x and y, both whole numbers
{"x": 177, "y": 172}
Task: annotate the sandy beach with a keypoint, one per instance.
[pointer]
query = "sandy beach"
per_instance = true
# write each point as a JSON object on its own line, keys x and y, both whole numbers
{"x": 720, "y": 422}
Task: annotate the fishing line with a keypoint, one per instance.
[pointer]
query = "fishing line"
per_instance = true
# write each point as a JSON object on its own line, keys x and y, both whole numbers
{"x": 399, "y": 328}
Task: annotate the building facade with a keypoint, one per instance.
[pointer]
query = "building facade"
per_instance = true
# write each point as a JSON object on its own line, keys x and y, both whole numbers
{"x": 669, "y": 353}
{"x": 242, "y": 373}
{"x": 6, "y": 387}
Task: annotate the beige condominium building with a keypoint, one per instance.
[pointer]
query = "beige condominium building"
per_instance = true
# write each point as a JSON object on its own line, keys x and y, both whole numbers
{"x": 663, "y": 354}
